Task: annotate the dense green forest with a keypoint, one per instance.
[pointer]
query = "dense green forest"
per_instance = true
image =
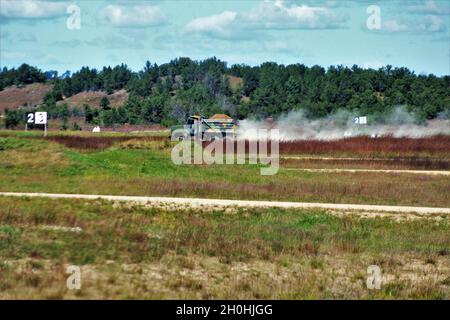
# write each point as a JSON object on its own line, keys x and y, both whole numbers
{"x": 170, "y": 92}
{"x": 25, "y": 74}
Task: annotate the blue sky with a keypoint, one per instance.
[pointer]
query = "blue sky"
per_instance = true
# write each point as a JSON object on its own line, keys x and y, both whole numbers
{"x": 412, "y": 33}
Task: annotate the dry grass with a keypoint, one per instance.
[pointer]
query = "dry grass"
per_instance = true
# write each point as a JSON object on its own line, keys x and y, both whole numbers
{"x": 327, "y": 187}
{"x": 202, "y": 277}
{"x": 425, "y": 149}
{"x": 365, "y": 146}
{"x": 29, "y": 96}
{"x": 235, "y": 82}
{"x": 117, "y": 99}
{"x": 129, "y": 251}
{"x": 136, "y": 252}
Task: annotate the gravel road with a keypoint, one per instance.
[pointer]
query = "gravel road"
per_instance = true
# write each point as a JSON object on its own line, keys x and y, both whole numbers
{"x": 217, "y": 203}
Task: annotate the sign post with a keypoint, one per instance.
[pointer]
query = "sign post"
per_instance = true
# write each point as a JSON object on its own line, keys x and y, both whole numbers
{"x": 30, "y": 120}
{"x": 41, "y": 118}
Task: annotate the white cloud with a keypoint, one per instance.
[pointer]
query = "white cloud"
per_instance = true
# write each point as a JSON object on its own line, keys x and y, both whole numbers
{"x": 374, "y": 64}
{"x": 277, "y": 16}
{"x": 429, "y": 24}
{"x": 32, "y": 9}
{"x": 430, "y": 7}
{"x": 216, "y": 23}
{"x": 266, "y": 16}
{"x": 221, "y": 26}
{"x": 132, "y": 16}
{"x": 432, "y": 24}
{"x": 394, "y": 26}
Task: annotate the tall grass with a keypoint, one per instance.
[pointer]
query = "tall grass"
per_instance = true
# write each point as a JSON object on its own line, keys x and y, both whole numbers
{"x": 362, "y": 145}
{"x": 439, "y": 144}
{"x": 135, "y": 251}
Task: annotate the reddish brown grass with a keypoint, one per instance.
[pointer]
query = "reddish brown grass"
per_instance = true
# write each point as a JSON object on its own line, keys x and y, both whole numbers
{"x": 93, "y": 99}
{"x": 364, "y": 145}
{"x": 399, "y": 163}
{"x": 434, "y": 144}
{"x": 30, "y": 95}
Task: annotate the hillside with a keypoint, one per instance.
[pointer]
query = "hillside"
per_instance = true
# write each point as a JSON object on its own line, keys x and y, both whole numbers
{"x": 93, "y": 99}
{"x": 27, "y": 96}
{"x": 32, "y": 95}
{"x": 235, "y": 82}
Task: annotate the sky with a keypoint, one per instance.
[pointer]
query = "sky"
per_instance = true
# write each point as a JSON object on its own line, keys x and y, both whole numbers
{"x": 66, "y": 35}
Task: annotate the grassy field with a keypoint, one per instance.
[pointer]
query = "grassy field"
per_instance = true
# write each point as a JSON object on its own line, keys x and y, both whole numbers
{"x": 123, "y": 165}
{"x": 137, "y": 252}
{"x": 130, "y": 251}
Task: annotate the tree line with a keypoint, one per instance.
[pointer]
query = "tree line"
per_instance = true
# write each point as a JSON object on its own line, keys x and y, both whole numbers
{"x": 23, "y": 75}
{"x": 168, "y": 93}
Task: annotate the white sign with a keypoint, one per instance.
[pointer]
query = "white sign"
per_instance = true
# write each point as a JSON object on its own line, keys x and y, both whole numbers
{"x": 40, "y": 118}
{"x": 30, "y": 118}
{"x": 360, "y": 120}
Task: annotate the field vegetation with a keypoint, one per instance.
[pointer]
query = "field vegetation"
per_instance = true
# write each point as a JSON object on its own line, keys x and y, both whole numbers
{"x": 387, "y": 146}
{"x": 134, "y": 165}
{"x": 427, "y": 147}
{"x": 129, "y": 251}
{"x": 132, "y": 251}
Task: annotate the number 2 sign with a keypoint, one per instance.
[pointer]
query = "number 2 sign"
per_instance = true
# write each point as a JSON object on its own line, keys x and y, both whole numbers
{"x": 30, "y": 118}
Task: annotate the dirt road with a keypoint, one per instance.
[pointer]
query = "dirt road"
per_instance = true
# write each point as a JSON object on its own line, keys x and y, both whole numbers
{"x": 220, "y": 203}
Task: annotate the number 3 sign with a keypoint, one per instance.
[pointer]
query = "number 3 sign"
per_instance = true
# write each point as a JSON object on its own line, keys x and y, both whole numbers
{"x": 40, "y": 118}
